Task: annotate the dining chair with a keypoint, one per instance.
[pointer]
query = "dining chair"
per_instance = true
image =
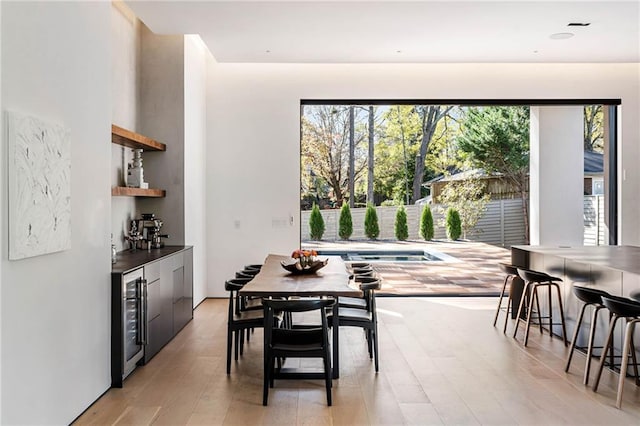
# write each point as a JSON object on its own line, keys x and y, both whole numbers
{"x": 238, "y": 321}
{"x": 295, "y": 341}
{"x": 365, "y": 318}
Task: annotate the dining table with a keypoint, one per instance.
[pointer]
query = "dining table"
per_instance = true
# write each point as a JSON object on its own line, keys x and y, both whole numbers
{"x": 330, "y": 281}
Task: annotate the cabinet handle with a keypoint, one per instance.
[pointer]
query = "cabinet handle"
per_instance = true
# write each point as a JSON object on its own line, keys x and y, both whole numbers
{"x": 141, "y": 301}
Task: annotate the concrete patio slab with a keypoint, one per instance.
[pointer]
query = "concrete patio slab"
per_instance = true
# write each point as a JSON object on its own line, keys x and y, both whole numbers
{"x": 473, "y": 271}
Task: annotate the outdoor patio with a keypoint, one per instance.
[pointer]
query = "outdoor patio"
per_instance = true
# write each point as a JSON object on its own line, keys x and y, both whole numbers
{"x": 475, "y": 271}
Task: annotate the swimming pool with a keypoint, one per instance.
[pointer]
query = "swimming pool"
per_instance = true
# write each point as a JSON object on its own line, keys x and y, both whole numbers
{"x": 389, "y": 255}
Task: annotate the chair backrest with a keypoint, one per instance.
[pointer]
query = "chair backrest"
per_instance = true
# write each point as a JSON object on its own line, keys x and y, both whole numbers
{"x": 295, "y": 336}
{"x": 536, "y": 276}
{"x": 232, "y": 286}
{"x": 589, "y": 295}
{"x": 256, "y": 267}
{"x": 508, "y": 269}
{"x": 621, "y": 306}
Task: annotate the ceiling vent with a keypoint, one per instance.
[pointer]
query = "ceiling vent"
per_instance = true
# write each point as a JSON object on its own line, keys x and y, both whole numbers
{"x": 578, "y": 24}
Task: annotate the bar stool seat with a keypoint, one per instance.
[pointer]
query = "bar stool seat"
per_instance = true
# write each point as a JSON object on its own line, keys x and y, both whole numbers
{"x": 511, "y": 272}
{"x": 589, "y": 297}
{"x": 620, "y": 307}
{"x": 533, "y": 280}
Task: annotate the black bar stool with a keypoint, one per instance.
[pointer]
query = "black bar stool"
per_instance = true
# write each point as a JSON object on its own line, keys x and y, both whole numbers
{"x": 533, "y": 280}
{"x": 588, "y": 297}
{"x": 511, "y": 272}
{"x": 629, "y": 309}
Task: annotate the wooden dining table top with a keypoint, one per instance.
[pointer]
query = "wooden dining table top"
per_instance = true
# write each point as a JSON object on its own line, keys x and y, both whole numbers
{"x": 274, "y": 280}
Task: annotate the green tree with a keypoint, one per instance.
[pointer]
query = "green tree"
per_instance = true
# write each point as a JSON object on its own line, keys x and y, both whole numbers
{"x": 469, "y": 198}
{"x": 316, "y": 223}
{"x": 401, "y": 227}
{"x": 593, "y": 128}
{"x": 496, "y": 139}
{"x": 453, "y": 224}
{"x": 426, "y": 223}
{"x": 345, "y": 225}
{"x": 371, "y": 227}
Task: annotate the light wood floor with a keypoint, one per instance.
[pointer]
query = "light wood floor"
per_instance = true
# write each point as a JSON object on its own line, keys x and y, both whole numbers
{"x": 441, "y": 363}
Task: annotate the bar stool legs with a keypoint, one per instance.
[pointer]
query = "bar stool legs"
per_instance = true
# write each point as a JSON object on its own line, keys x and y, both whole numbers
{"x": 533, "y": 280}
{"x": 574, "y": 340}
{"x": 628, "y": 346}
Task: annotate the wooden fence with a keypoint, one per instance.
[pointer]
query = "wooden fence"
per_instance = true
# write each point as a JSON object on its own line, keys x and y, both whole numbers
{"x": 502, "y": 223}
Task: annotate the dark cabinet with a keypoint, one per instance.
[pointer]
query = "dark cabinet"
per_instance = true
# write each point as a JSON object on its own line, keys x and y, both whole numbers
{"x": 166, "y": 283}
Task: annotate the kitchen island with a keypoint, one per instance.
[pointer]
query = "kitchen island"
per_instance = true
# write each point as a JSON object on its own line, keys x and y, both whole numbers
{"x": 614, "y": 269}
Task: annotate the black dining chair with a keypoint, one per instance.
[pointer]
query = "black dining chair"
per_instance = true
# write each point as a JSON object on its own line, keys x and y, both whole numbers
{"x": 238, "y": 321}
{"x": 295, "y": 341}
{"x": 364, "y": 318}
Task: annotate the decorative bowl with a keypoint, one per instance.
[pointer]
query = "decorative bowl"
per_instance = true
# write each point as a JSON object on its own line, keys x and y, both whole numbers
{"x": 297, "y": 269}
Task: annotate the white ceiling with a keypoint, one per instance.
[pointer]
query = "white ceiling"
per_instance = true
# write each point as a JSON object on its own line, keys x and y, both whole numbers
{"x": 401, "y": 31}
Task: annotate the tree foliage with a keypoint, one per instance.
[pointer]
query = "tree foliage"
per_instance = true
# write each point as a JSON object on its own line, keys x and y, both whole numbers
{"x": 593, "y": 128}
{"x": 496, "y": 139}
{"x": 426, "y": 223}
{"x": 325, "y": 151}
{"x": 469, "y": 198}
{"x": 316, "y": 223}
{"x": 453, "y": 224}
{"x": 371, "y": 227}
{"x": 401, "y": 226}
{"x": 345, "y": 225}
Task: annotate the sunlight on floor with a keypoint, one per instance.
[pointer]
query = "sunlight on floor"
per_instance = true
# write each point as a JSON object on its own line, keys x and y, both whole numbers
{"x": 469, "y": 303}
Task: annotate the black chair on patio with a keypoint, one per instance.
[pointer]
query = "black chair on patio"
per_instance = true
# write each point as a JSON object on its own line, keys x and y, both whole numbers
{"x": 295, "y": 341}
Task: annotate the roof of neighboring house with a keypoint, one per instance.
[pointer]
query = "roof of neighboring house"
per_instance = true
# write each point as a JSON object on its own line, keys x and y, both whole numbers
{"x": 593, "y": 162}
{"x": 593, "y": 165}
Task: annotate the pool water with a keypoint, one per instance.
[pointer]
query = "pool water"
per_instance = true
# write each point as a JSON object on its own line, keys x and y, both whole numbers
{"x": 388, "y": 255}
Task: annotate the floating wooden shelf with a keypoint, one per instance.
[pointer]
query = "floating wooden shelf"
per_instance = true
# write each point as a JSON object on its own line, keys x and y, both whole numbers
{"x": 137, "y": 192}
{"x": 134, "y": 140}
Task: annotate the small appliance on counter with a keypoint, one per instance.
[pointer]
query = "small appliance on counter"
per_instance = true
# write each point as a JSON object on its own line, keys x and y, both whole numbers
{"x": 145, "y": 233}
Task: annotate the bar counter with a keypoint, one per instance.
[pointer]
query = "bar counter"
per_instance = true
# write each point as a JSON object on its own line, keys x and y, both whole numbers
{"x": 614, "y": 269}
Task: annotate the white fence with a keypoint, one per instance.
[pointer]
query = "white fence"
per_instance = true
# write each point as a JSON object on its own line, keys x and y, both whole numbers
{"x": 502, "y": 223}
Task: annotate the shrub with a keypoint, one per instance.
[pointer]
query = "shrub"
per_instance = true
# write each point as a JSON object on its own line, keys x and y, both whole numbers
{"x": 401, "y": 228}
{"x": 316, "y": 223}
{"x": 345, "y": 224}
{"x": 371, "y": 228}
{"x": 454, "y": 225}
{"x": 426, "y": 223}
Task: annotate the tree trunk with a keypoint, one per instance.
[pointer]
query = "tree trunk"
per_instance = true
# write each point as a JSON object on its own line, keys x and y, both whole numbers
{"x": 430, "y": 117}
{"x": 352, "y": 160}
{"x": 371, "y": 159}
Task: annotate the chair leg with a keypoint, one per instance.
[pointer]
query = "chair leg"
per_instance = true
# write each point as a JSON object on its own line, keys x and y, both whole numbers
{"x": 236, "y": 343}
{"x": 327, "y": 378}
{"x": 504, "y": 286}
{"x": 229, "y": 344}
{"x": 534, "y": 295}
{"x": 267, "y": 379}
{"x": 574, "y": 340}
{"x": 550, "y": 302}
{"x": 242, "y": 341}
{"x": 633, "y": 357}
{"x": 607, "y": 346}
{"x": 592, "y": 335}
{"x": 562, "y": 322}
{"x": 369, "y": 343}
{"x": 506, "y": 317}
{"x": 628, "y": 335}
{"x": 375, "y": 346}
{"x": 520, "y": 306}
{"x": 538, "y": 311}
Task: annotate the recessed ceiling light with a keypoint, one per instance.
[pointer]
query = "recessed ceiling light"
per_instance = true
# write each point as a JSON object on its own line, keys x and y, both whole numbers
{"x": 561, "y": 36}
{"x": 578, "y": 24}
{"x": 267, "y": 51}
{"x": 535, "y": 51}
{"x": 398, "y": 51}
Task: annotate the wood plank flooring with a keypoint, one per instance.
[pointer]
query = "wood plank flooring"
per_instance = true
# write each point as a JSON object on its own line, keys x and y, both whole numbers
{"x": 441, "y": 362}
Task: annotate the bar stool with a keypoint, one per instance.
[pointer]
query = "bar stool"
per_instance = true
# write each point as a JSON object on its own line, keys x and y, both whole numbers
{"x": 629, "y": 309}
{"x": 511, "y": 272}
{"x": 533, "y": 280}
{"x": 588, "y": 297}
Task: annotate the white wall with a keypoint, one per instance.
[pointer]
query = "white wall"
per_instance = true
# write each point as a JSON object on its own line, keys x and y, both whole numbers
{"x": 556, "y": 176}
{"x": 195, "y": 110}
{"x": 55, "y": 313}
{"x": 253, "y": 135}
{"x": 125, "y": 76}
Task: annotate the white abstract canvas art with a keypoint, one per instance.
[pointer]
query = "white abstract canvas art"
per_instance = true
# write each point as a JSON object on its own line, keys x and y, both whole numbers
{"x": 39, "y": 186}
